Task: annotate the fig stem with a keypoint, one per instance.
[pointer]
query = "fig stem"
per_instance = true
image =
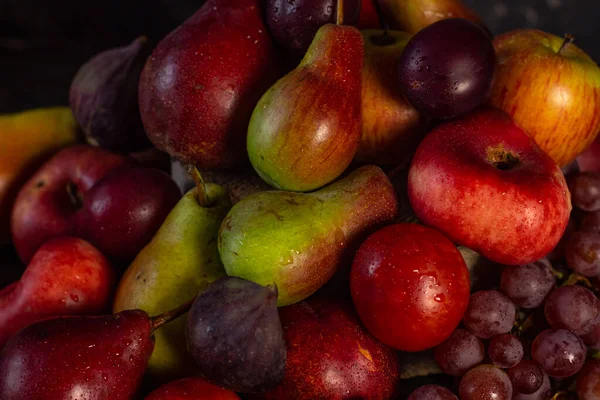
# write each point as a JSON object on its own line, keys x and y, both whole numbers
{"x": 166, "y": 317}
{"x": 340, "y": 13}
{"x": 203, "y": 198}
{"x": 568, "y": 40}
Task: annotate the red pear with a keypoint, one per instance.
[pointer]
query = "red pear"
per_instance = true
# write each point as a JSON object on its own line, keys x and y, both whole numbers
{"x": 201, "y": 83}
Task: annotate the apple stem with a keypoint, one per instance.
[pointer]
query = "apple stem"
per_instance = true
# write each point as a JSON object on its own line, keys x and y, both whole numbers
{"x": 568, "y": 40}
{"x": 203, "y": 199}
{"x": 166, "y": 317}
{"x": 74, "y": 195}
{"x": 340, "y": 13}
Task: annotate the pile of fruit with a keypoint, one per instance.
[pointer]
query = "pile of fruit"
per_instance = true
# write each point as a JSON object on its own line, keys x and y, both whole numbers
{"x": 409, "y": 210}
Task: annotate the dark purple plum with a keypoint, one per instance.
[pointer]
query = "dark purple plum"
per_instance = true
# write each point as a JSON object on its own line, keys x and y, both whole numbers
{"x": 446, "y": 69}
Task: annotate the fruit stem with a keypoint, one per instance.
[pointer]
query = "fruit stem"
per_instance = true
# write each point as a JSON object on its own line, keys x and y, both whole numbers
{"x": 166, "y": 317}
{"x": 382, "y": 21}
{"x": 568, "y": 40}
{"x": 575, "y": 278}
{"x": 203, "y": 199}
{"x": 74, "y": 195}
{"x": 340, "y": 13}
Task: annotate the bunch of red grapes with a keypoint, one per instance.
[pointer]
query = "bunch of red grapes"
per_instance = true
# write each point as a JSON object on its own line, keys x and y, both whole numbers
{"x": 541, "y": 326}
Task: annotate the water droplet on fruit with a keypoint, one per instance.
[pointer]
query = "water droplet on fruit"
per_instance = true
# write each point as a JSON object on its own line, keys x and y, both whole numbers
{"x": 74, "y": 297}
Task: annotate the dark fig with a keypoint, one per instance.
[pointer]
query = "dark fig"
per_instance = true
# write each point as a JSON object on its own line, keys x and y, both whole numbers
{"x": 104, "y": 100}
{"x": 235, "y": 335}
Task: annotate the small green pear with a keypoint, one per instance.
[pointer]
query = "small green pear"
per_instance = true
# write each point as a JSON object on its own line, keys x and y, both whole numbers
{"x": 297, "y": 241}
{"x": 179, "y": 262}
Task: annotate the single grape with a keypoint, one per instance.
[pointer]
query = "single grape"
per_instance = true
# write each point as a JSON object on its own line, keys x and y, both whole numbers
{"x": 485, "y": 382}
{"x": 559, "y": 352}
{"x": 432, "y": 392}
{"x": 543, "y": 393}
{"x": 459, "y": 353}
{"x": 528, "y": 285}
{"x": 505, "y": 350}
{"x": 294, "y": 23}
{"x": 583, "y": 253}
{"x": 446, "y": 68}
{"x": 588, "y": 381}
{"x": 572, "y": 307}
{"x": 592, "y": 338}
{"x": 526, "y": 377}
{"x": 591, "y": 223}
{"x": 585, "y": 190}
{"x": 489, "y": 313}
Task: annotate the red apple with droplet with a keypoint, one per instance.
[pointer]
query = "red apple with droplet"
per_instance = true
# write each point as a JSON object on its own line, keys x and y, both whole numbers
{"x": 410, "y": 286}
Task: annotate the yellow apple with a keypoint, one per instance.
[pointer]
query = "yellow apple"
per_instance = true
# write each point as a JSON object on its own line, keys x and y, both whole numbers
{"x": 551, "y": 88}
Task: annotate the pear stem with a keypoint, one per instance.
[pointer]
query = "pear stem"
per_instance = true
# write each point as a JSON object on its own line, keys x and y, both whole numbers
{"x": 384, "y": 23}
{"x": 203, "y": 199}
{"x": 568, "y": 40}
{"x": 340, "y": 13}
{"x": 166, "y": 317}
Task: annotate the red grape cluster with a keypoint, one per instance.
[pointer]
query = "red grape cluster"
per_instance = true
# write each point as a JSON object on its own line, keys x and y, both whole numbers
{"x": 541, "y": 326}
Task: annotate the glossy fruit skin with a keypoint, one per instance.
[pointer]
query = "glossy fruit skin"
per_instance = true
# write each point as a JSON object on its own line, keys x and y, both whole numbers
{"x": 543, "y": 393}
{"x": 305, "y": 130}
{"x": 446, "y": 69}
{"x": 67, "y": 276}
{"x": 553, "y": 96}
{"x": 294, "y": 24}
{"x": 202, "y": 118}
{"x": 413, "y": 15}
{"x": 505, "y": 350}
{"x": 489, "y": 313}
{"x": 513, "y": 216}
{"x": 432, "y": 392}
{"x": 583, "y": 253}
{"x": 28, "y": 139}
{"x": 485, "y": 382}
{"x": 410, "y": 286}
{"x": 77, "y": 357}
{"x": 588, "y": 381}
{"x": 191, "y": 389}
{"x": 43, "y": 210}
{"x": 559, "y": 352}
{"x": 572, "y": 307}
{"x": 584, "y": 188}
{"x": 123, "y": 211}
{"x": 459, "y": 353}
{"x": 526, "y": 377}
{"x": 391, "y": 127}
{"x": 273, "y": 237}
{"x": 528, "y": 285}
{"x": 589, "y": 159}
{"x": 324, "y": 335}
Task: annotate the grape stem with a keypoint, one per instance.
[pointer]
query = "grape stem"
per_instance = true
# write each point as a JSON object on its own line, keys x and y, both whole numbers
{"x": 568, "y": 40}
{"x": 340, "y": 13}
{"x": 575, "y": 278}
{"x": 203, "y": 199}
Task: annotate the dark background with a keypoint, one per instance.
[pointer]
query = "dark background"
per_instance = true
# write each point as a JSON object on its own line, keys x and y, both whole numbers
{"x": 43, "y": 42}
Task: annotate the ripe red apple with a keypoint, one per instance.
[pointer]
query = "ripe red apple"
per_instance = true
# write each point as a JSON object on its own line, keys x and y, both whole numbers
{"x": 551, "y": 88}
{"x": 99, "y": 196}
{"x": 191, "y": 389}
{"x": 486, "y": 185}
{"x": 368, "y": 17}
{"x": 410, "y": 286}
{"x": 67, "y": 276}
{"x": 331, "y": 356}
{"x": 391, "y": 127}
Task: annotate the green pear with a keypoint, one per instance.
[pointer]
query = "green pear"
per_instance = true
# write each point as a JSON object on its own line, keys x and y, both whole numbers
{"x": 179, "y": 262}
{"x": 297, "y": 241}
